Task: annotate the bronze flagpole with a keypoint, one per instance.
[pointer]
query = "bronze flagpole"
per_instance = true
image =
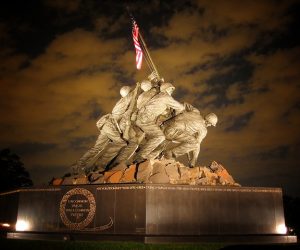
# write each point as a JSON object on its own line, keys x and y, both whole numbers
{"x": 153, "y": 67}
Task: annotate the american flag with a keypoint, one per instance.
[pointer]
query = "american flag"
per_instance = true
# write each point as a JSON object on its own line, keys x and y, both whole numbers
{"x": 138, "y": 50}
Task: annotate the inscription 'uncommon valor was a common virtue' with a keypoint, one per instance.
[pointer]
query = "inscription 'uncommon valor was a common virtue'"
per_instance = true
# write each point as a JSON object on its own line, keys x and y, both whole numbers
{"x": 77, "y": 208}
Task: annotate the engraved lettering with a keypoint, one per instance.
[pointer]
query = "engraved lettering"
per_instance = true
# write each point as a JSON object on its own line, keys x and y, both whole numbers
{"x": 77, "y": 208}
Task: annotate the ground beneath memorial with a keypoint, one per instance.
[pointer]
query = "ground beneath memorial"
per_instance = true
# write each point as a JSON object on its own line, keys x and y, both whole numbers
{"x": 94, "y": 245}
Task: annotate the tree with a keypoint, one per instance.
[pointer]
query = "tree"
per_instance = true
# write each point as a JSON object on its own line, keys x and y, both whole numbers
{"x": 291, "y": 211}
{"x": 13, "y": 174}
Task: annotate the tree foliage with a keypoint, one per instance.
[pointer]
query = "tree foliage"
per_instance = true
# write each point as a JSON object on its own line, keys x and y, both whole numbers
{"x": 292, "y": 215}
{"x": 13, "y": 173}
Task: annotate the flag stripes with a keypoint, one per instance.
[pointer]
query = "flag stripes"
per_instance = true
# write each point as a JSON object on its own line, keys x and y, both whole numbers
{"x": 138, "y": 49}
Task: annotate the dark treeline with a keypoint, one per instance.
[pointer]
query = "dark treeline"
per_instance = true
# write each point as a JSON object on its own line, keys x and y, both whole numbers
{"x": 292, "y": 213}
{"x": 13, "y": 174}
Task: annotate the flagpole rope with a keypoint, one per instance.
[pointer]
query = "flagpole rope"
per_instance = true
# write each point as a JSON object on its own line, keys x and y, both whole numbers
{"x": 148, "y": 61}
{"x": 153, "y": 67}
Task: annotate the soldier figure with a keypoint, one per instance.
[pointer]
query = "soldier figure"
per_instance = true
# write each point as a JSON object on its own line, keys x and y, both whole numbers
{"x": 136, "y": 135}
{"x": 147, "y": 117}
{"x": 188, "y": 129}
{"x": 110, "y": 134}
{"x": 147, "y": 95}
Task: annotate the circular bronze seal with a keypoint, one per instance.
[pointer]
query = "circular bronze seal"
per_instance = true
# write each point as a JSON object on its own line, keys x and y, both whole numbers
{"x": 77, "y": 208}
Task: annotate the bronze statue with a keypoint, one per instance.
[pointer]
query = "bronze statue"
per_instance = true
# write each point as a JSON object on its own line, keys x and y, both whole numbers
{"x": 146, "y": 123}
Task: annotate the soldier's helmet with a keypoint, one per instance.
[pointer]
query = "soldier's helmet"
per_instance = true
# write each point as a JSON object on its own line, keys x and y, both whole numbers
{"x": 125, "y": 90}
{"x": 212, "y": 119}
{"x": 165, "y": 86}
{"x": 146, "y": 85}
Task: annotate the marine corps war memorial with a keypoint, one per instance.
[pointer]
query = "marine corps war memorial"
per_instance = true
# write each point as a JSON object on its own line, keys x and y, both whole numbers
{"x": 131, "y": 184}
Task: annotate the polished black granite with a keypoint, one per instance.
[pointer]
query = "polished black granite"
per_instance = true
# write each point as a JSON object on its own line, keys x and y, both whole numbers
{"x": 149, "y": 212}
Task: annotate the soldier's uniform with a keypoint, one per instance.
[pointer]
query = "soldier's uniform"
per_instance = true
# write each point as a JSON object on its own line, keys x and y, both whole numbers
{"x": 145, "y": 97}
{"x": 188, "y": 129}
{"x": 109, "y": 134}
{"x": 135, "y": 133}
{"x": 147, "y": 121}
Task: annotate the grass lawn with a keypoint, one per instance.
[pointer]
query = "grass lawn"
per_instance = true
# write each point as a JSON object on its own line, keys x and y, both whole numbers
{"x": 12, "y": 244}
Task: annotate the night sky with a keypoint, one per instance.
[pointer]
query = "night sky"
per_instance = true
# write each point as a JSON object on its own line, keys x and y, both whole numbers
{"x": 63, "y": 63}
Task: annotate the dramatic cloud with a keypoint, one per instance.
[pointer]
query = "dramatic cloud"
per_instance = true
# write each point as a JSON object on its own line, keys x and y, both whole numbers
{"x": 67, "y": 5}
